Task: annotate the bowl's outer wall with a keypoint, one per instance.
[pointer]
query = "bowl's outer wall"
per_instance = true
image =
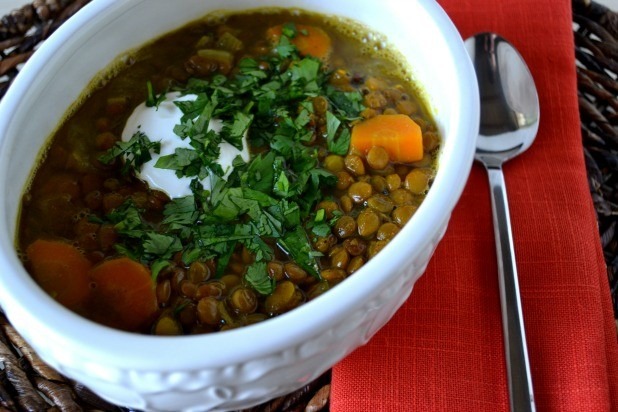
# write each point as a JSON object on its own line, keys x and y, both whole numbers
{"x": 239, "y": 368}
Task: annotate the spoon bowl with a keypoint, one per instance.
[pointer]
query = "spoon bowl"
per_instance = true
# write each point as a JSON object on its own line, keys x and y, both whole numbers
{"x": 509, "y": 100}
{"x": 508, "y": 126}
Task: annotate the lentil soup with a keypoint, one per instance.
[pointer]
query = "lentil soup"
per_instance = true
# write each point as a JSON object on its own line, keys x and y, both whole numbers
{"x": 330, "y": 150}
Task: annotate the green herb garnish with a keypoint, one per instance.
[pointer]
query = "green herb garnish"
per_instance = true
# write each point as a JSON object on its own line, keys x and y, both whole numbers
{"x": 273, "y": 196}
{"x": 152, "y": 99}
{"x": 258, "y": 278}
{"x": 136, "y": 152}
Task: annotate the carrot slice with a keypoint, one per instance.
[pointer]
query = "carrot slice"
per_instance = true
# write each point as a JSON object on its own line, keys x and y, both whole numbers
{"x": 399, "y": 135}
{"x": 61, "y": 270}
{"x": 309, "y": 40}
{"x": 124, "y": 294}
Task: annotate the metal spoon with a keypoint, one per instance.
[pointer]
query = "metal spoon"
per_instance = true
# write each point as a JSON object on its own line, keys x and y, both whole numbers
{"x": 509, "y": 123}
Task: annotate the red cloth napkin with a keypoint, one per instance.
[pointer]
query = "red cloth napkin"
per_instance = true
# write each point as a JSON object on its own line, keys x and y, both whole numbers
{"x": 443, "y": 350}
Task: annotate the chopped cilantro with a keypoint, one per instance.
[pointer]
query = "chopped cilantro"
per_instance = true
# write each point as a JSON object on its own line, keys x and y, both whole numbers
{"x": 267, "y": 201}
{"x": 285, "y": 48}
{"x": 152, "y": 99}
{"x": 341, "y": 145}
{"x": 296, "y": 244}
{"x": 257, "y": 277}
{"x": 338, "y": 143}
{"x": 320, "y": 226}
{"x": 233, "y": 132}
{"x": 289, "y": 30}
{"x": 348, "y": 104}
{"x": 136, "y": 152}
{"x": 161, "y": 245}
{"x": 282, "y": 186}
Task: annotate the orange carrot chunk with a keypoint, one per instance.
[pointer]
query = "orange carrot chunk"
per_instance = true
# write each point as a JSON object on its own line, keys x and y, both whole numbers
{"x": 61, "y": 270}
{"x": 309, "y": 40}
{"x": 124, "y": 294}
{"x": 399, "y": 135}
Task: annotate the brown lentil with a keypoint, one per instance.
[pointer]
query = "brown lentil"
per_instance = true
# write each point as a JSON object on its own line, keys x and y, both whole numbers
{"x": 282, "y": 299}
{"x": 417, "y": 181}
{"x": 294, "y": 272}
{"x": 213, "y": 288}
{"x": 345, "y": 227}
{"x": 346, "y": 203}
{"x": 167, "y": 326}
{"x": 406, "y": 107}
{"x": 354, "y": 164}
{"x": 208, "y": 311}
{"x": 401, "y": 197}
{"x": 275, "y": 270}
{"x": 230, "y": 281}
{"x": 247, "y": 256}
{"x": 360, "y": 191}
{"x": 393, "y": 182}
{"x": 317, "y": 289}
{"x": 188, "y": 288}
{"x": 320, "y": 105}
{"x": 378, "y": 183}
{"x": 340, "y": 258}
{"x": 198, "y": 272}
{"x": 187, "y": 316}
{"x": 164, "y": 291}
{"x": 375, "y": 83}
{"x": 431, "y": 140}
{"x": 375, "y": 247}
{"x": 368, "y": 223}
{"x": 375, "y": 100}
{"x": 368, "y": 113}
{"x": 344, "y": 180}
{"x": 333, "y": 276}
{"x": 377, "y": 158}
{"x": 355, "y": 246}
{"x": 390, "y": 110}
{"x": 387, "y": 231}
{"x": 381, "y": 203}
{"x": 334, "y": 163}
{"x": 425, "y": 162}
{"x": 356, "y": 263}
{"x": 243, "y": 300}
{"x": 402, "y": 214}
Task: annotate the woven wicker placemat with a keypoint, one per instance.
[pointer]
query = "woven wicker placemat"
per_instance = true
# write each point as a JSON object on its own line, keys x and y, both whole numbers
{"x": 27, "y": 384}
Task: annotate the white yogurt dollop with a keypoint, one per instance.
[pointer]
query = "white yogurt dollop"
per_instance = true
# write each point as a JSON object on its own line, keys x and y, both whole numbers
{"x": 158, "y": 125}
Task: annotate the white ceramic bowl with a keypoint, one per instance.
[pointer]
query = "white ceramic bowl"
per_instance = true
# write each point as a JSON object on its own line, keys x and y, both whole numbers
{"x": 243, "y": 367}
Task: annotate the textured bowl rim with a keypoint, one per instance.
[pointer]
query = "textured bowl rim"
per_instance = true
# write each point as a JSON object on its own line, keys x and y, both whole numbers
{"x": 235, "y": 346}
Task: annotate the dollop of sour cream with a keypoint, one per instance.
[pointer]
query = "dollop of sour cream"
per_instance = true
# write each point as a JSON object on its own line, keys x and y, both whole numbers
{"x": 157, "y": 123}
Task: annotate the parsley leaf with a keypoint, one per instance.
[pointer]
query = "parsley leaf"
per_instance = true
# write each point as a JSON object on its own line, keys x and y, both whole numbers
{"x": 261, "y": 172}
{"x": 161, "y": 245}
{"x": 296, "y": 244}
{"x": 136, "y": 152}
{"x": 285, "y": 48}
{"x": 289, "y": 30}
{"x": 269, "y": 200}
{"x": 340, "y": 145}
{"x": 233, "y": 133}
{"x": 282, "y": 186}
{"x": 152, "y": 100}
{"x": 257, "y": 277}
{"x": 347, "y": 104}
{"x": 319, "y": 226}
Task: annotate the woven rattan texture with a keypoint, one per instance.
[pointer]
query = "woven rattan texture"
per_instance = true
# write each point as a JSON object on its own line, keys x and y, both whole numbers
{"x": 596, "y": 51}
{"x": 26, "y": 383}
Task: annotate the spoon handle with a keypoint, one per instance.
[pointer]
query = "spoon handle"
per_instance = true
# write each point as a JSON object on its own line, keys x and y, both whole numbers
{"x": 517, "y": 363}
